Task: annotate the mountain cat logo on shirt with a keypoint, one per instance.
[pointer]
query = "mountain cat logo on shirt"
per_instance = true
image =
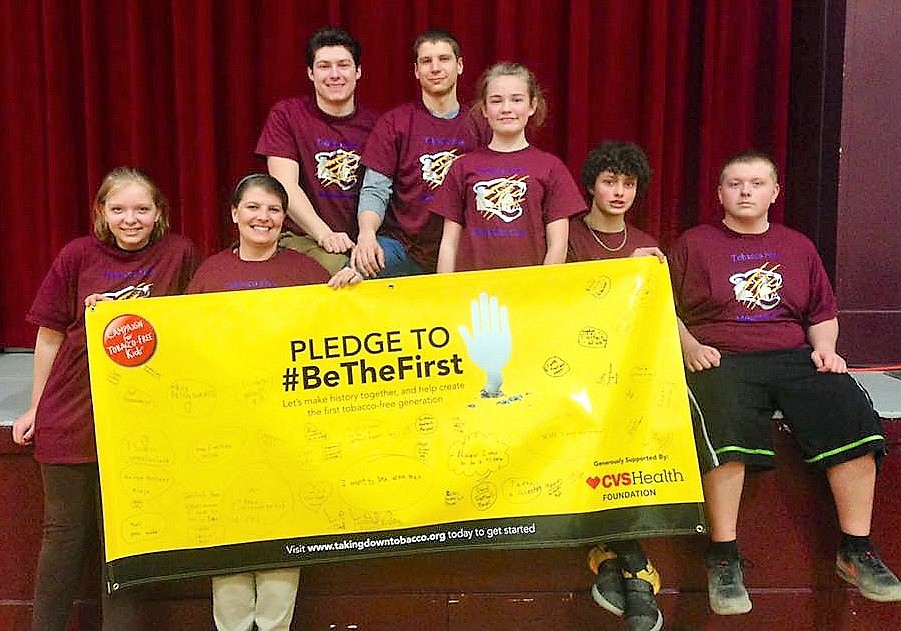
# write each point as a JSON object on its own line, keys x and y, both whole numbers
{"x": 758, "y": 287}
{"x": 337, "y": 167}
{"x": 141, "y": 290}
{"x": 436, "y": 165}
{"x": 501, "y": 197}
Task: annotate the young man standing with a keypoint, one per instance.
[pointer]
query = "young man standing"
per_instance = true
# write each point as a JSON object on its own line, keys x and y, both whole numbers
{"x": 759, "y": 334}
{"x": 313, "y": 147}
{"x": 407, "y": 157}
{"x": 615, "y": 175}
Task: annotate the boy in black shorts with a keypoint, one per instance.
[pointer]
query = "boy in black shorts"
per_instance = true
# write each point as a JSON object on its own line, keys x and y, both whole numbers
{"x": 759, "y": 334}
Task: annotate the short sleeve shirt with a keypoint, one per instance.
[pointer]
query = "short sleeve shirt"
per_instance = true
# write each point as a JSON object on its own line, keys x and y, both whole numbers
{"x": 750, "y": 292}
{"x": 504, "y": 201}
{"x": 64, "y": 420}
{"x": 328, "y": 150}
{"x": 586, "y": 244}
{"x": 226, "y": 271}
{"x": 416, "y": 150}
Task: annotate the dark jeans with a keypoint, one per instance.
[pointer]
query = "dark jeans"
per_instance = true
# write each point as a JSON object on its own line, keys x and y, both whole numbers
{"x": 397, "y": 261}
{"x": 71, "y": 527}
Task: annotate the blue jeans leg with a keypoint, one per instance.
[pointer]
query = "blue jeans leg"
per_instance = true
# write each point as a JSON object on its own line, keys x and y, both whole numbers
{"x": 397, "y": 261}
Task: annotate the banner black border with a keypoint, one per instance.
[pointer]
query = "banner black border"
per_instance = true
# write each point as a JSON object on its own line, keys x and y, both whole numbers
{"x": 551, "y": 531}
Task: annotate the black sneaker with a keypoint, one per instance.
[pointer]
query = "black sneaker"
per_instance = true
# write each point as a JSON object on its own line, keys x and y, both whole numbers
{"x": 607, "y": 590}
{"x": 725, "y": 587}
{"x": 866, "y": 571}
{"x": 642, "y": 613}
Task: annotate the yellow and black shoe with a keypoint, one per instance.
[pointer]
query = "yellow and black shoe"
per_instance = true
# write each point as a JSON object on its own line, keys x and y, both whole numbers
{"x": 641, "y": 611}
{"x": 607, "y": 589}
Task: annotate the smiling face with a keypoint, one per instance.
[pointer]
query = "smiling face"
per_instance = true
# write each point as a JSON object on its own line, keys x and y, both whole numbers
{"x": 613, "y": 193}
{"x": 259, "y": 216}
{"x": 437, "y": 68}
{"x": 334, "y": 75}
{"x": 508, "y": 105}
{"x": 130, "y": 214}
{"x": 746, "y": 191}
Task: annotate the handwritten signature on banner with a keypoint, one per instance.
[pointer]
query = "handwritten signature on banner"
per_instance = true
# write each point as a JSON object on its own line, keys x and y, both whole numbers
{"x": 406, "y": 408}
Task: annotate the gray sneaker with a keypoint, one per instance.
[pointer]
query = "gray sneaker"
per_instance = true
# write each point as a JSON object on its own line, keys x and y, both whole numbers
{"x": 607, "y": 588}
{"x": 866, "y": 571}
{"x": 642, "y": 613}
{"x": 725, "y": 587}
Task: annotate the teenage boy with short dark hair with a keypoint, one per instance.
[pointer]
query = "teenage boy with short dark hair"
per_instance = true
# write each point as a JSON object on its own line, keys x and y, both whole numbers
{"x": 313, "y": 146}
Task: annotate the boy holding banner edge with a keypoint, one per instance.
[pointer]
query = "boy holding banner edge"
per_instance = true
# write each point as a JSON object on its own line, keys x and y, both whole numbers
{"x": 614, "y": 175}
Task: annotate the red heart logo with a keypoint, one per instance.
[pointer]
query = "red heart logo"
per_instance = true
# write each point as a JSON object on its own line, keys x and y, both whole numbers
{"x": 593, "y": 482}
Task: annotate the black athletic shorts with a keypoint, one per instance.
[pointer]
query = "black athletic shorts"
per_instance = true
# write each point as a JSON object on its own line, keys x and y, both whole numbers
{"x": 829, "y": 415}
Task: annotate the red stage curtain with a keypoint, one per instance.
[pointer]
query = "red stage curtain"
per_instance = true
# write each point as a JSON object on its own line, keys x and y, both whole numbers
{"x": 181, "y": 88}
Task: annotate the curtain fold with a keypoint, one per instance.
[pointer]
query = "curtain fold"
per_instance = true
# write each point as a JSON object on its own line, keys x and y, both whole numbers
{"x": 182, "y": 88}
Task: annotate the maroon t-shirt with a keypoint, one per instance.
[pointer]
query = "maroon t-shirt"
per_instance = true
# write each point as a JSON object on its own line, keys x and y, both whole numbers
{"x": 328, "y": 150}
{"x": 416, "y": 150}
{"x": 226, "y": 271}
{"x": 584, "y": 246}
{"x": 750, "y": 292}
{"x": 504, "y": 201}
{"x": 64, "y": 420}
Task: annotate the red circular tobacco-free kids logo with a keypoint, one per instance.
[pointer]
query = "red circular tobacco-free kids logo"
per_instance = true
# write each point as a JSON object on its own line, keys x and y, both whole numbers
{"x": 129, "y": 340}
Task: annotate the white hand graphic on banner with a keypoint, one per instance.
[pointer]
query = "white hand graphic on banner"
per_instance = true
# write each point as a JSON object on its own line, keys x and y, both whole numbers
{"x": 489, "y": 345}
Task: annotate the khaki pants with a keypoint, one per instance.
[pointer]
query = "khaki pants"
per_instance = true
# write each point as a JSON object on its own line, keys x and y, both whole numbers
{"x": 306, "y": 245}
{"x": 264, "y": 598}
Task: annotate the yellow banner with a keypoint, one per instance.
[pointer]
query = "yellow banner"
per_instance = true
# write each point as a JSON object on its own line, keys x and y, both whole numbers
{"x": 464, "y": 410}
